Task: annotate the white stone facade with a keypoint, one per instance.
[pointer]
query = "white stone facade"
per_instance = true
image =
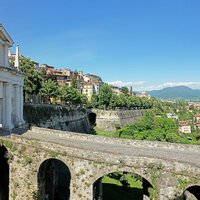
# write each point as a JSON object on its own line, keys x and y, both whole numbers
{"x": 11, "y": 87}
{"x": 185, "y": 129}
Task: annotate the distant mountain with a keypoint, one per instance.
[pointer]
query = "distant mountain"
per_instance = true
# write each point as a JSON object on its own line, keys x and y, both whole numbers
{"x": 178, "y": 92}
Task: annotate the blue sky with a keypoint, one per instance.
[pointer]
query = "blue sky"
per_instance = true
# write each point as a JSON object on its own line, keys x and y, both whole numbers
{"x": 149, "y": 44}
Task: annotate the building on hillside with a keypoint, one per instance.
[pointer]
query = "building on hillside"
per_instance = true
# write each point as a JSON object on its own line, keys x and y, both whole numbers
{"x": 11, "y": 86}
{"x": 88, "y": 84}
{"x": 116, "y": 90}
{"x": 197, "y": 125}
{"x": 197, "y": 117}
{"x": 195, "y": 105}
{"x": 91, "y": 85}
{"x": 61, "y": 76}
{"x": 91, "y": 78}
{"x": 88, "y": 90}
{"x": 184, "y": 127}
{"x": 172, "y": 116}
{"x": 143, "y": 95}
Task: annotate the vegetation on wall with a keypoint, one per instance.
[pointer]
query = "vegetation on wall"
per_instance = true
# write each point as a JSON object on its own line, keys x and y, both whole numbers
{"x": 72, "y": 96}
{"x": 153, "y": 128}
{"x": 107, "y": 99}
{"x": 33, "y": 78}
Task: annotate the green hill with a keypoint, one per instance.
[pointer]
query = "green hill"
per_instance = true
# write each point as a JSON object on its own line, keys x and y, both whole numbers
{"x": 178, "y": 92}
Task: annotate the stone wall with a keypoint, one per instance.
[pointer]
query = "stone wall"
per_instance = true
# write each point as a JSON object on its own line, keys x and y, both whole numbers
{"x": 109, "y": 119}
{"x": 57, "y": 117}
{"x": 169, "y": 178}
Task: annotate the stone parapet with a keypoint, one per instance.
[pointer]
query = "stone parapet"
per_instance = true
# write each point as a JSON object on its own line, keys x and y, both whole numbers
{"x": 108, "y": 119}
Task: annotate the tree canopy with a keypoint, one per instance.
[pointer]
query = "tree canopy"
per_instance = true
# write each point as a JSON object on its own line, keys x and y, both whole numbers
{"x": 71, "y": 95}
{"x": 107, "y": 99}
{"x": 33, "y": 78}
{"x": 125, "y": 90}
{"x": 49, "y": 88}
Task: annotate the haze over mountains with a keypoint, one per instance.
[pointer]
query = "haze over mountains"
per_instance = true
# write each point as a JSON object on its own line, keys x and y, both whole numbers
{"x": 178, "y": 92}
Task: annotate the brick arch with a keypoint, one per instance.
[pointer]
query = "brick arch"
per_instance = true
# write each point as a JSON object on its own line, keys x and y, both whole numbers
{"x": 4, "y": 171}
{"x": 54, "y": 179}
{"x": 92, "y": 118}
{"x": 192, "y": 189}
{"x": 107, "y": 170}
{"x": 145, "y": 182}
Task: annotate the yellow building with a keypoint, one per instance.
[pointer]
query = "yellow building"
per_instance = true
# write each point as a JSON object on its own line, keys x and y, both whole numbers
{"x": 88, "y": 90}
{"x": 116, "y": 89}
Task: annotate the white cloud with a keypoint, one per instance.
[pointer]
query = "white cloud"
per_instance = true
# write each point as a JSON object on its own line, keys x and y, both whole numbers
{"x": 144, "y": 86}
{"x": 194, "y": 85}
{"x": 127, "y": 84}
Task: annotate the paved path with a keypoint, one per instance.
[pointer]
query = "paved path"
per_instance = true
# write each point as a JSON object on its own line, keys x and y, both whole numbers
{"x": 182, "y": 156}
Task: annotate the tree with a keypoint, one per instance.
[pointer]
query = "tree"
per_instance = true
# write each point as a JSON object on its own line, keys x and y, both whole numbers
{"x": 105, "y": 95}
{"x": 84, "y": 99}
{"x": 123, "y": 100}
{"x": 114, "y": 101}
{"x": 131, "y": 91}
{"x": 95, "y": 101}
{"x": 74, "y": 80}
{"x": 70, "y": 95}
{"x": 49, "y": 89}
{"x": 125, "y": 90}
{"x": 33, "y": 78}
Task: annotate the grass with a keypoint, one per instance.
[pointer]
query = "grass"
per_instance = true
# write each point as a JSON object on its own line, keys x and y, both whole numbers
{"x": 183, "y": 138}
{"x": 133, "y": 182}
{"x": 113, "y": 189}
{"x": 101, "y": 132}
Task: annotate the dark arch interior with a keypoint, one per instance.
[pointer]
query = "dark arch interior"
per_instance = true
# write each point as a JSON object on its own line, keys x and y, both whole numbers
{"x": 194, "y": 190}
{"x": 4, "y": 174}
{"x": 92, "y": 118}
{"x": 54, "y": 180}
{"x": 121, "y": 186}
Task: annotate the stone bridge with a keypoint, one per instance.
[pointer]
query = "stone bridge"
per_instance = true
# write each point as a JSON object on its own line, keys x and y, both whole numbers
{"x": 73, "y": 164}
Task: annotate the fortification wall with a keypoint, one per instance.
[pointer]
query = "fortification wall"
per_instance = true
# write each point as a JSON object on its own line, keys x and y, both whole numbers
{"x": 25, "y": 155}
{"x": 109, "y": 119}
{"x": 57, "y": 117}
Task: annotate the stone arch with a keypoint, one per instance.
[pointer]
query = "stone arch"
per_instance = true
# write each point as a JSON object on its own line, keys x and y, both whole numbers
{"x": 92, "y": 118}
{"x": 192, "y": 192}
{"x": 4, "y": 171}
{"x": 100, "y": 190}
{"x": 54, "y": 179}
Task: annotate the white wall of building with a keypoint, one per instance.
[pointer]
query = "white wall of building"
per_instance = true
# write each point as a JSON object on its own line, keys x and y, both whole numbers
{"x": 11, "y": 87}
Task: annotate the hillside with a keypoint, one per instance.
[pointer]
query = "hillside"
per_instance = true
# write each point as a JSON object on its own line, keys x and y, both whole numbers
{"x": 178, "y": 92}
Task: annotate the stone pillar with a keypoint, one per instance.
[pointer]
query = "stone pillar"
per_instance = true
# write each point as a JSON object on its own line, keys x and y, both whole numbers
{"x": 1, "y": 89}
{"x": 8, "y": 109}
{"x": 17, "y": 57}
{"x": 1, "y": 104}
{"x": 17, "y": 104}
{"x": 6, "y": 62}
{"x": 21, "y": 104}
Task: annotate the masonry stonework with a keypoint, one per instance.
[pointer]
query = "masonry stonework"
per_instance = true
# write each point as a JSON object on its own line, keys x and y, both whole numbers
{"x": 169, "y": 176}
{"x": 57, "y": 117}
{"x": 109, "y": 119}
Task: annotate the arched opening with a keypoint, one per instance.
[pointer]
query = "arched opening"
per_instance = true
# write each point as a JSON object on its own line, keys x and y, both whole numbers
{"x": 192, "y": 192}
{"x": 121, "y": 186}
{"x": 4, "y": 174}
{"x": 92, "y": 118}
{"x": 54, "y": 180}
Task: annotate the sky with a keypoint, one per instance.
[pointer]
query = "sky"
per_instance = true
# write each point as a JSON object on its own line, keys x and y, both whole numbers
{"x": 147, "y": 44}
